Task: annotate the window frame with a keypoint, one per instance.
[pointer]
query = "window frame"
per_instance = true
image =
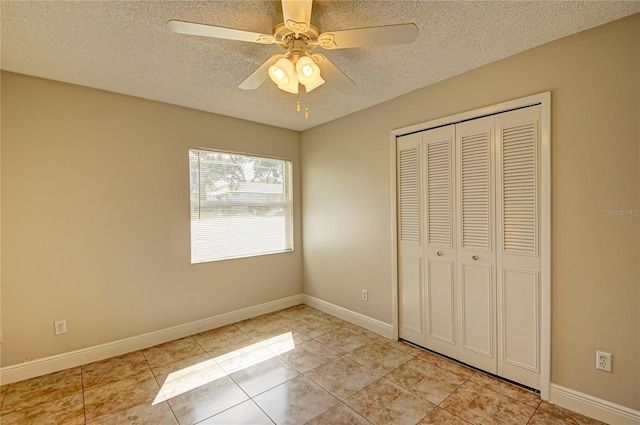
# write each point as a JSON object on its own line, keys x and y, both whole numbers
{"x": 288, "y": 236}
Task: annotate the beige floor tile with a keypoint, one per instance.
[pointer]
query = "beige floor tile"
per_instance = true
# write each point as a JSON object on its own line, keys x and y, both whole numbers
{"x": 309, "y": 355}
{"x": 68, "y": 410}
{"x": 297, "y": 365}
{"x": 343, "y": 377}
{"x": 245, "y": 413}
{"x": 426, "y": 380}
{"x": 520, "y": 394}
{"x": 280, "y": 341}
{"x": 207, "y": 400}
{"x": 362, "y": 331}
{"x": 3, "y": 392}
{"x": 330, "y": 318}
{"x": 477, "y": 404}
{"x": 340, "y": 415}
{"x": 223, "y": 340}
{"x": 172, "y": 352}
{"x": 379, "y": 357}
{"x": 263, "y": 376}
{"x": 113, "y": 369}
{"x": 550, "y": 414}
{"x": 42, "y": 389}
{"x": 244, "y": 358}
{"x": 297, "y": 311}
{"x": 446, "y": 364}
{"x": 442, "y": 417}
{"x": 403, "y": 346}
{"x": 314, "y": 326}
{"x": 267, "y": 322}
{"x": 183, "y": 367}
{"x": 183, "y": 377}
{"x": 295, "y": 402}
{"x": 384, "y": 402}
{"x": 115, "y": 397}
{"x": 266, "y": 333}
{"x": 343, "y": 340}
{"x": 145, "y": 414}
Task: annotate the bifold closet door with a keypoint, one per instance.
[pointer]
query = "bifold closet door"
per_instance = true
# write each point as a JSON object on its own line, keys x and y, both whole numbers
{"x": 439, "y": 237}
{"x": 469, "y": 242}
{"x": 476, "y": 250}
{"x": 518, "y": 260}
{"x": 411, "y": 301}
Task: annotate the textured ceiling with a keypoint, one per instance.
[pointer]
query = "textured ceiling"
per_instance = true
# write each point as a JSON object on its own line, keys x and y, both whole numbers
{"x": 125, "y": 47}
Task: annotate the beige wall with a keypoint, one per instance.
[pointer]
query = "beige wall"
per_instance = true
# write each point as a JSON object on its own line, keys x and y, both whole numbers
{"x": 95, "y": 218}
{"x": 594, "y": 79}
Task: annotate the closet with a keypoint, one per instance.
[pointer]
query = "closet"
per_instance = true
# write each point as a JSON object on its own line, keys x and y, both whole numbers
{"x": 469, "y": 263}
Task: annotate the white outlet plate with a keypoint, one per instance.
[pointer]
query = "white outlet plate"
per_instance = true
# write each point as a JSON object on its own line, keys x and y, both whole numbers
{"x": 365, "y": 295}
{"x": 603, "y": 361}
{"x": 60, "y": 327}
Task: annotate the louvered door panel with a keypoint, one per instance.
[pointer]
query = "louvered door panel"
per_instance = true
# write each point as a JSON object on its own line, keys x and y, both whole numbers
{"x": 440, "y": 253}
{"x": 439, "y": 210}
{"x": 519, "y": 217}
{"x": 476, "y": 256}
{"x": 475, "y": 188}
{"x": 409, "y": 194}
{"x": 518, "y": 259}
{"x": 411, "y": 303}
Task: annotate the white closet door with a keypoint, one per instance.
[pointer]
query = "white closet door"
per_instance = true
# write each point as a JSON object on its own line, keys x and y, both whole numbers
{"x": 410, "y": 268}
{"x": 476, "y": 251}
{"x": 440, "y": 253}
{"x": 518, "y": 257}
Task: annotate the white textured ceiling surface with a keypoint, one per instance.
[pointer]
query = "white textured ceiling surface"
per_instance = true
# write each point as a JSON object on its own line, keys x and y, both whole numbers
{"x": 125, "y": 47}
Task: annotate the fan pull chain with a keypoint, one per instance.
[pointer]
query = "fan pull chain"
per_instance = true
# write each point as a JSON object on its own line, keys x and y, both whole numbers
{"x": 306, "y": 110}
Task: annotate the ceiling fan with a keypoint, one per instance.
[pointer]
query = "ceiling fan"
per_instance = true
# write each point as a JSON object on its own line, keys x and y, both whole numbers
{"x": 298, "y": 37}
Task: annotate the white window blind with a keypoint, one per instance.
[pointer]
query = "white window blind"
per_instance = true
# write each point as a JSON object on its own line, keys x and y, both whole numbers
{"x": 240, "y": 205}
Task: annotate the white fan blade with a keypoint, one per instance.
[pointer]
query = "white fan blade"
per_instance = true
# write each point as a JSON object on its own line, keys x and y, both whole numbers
{"x": 372, "y": 36}
{"x": 191, "y": 28}
{"x": 259, "y": 76}
{"x": 297, "y": 15}
{"x": 331, "y": 73}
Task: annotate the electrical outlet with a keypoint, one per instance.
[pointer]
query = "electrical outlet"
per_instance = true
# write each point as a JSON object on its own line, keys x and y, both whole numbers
{"x": 365, "y": 295}
{"x": 1, "y": 335}
{"x": 603, "y": 361}
{"x": 60, "y": 327}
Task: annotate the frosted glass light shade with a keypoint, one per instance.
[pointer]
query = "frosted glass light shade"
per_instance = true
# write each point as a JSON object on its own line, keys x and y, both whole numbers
{"x": 283, "y": 74}
{"x": 281, "y": 71}
{"x": 308, "y": 73}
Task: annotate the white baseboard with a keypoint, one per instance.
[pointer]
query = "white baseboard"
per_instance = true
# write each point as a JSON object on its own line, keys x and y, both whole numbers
{"x": 83, "y": 356}
{"x": 593, "y": 407}
{"x": 373, "y": 325}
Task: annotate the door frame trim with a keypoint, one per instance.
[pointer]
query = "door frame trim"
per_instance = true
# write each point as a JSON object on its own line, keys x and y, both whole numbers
{"x": 544, "y": 100}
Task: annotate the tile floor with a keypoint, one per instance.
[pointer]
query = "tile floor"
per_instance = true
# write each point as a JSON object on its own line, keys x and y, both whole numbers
{"x": 294, "y": 366}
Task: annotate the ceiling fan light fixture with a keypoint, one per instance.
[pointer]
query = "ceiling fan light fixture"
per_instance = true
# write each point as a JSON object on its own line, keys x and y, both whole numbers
{"x": 281, "y": 72}
{"x": 308, "y": 73}
{"x": 292, "y": 86}
{"x": 313, "y": 85}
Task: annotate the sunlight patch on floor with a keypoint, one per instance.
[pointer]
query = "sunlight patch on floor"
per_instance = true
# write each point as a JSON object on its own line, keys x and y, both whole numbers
{"x": 192, "y": 377}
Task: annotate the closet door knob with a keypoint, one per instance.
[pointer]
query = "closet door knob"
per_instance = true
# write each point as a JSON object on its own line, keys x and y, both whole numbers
{"x": 475, "y": 257}
{"x": 439, "y": 253}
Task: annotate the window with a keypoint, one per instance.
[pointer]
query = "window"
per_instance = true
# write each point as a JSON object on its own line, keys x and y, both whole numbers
{"x": 240, "y": 205}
